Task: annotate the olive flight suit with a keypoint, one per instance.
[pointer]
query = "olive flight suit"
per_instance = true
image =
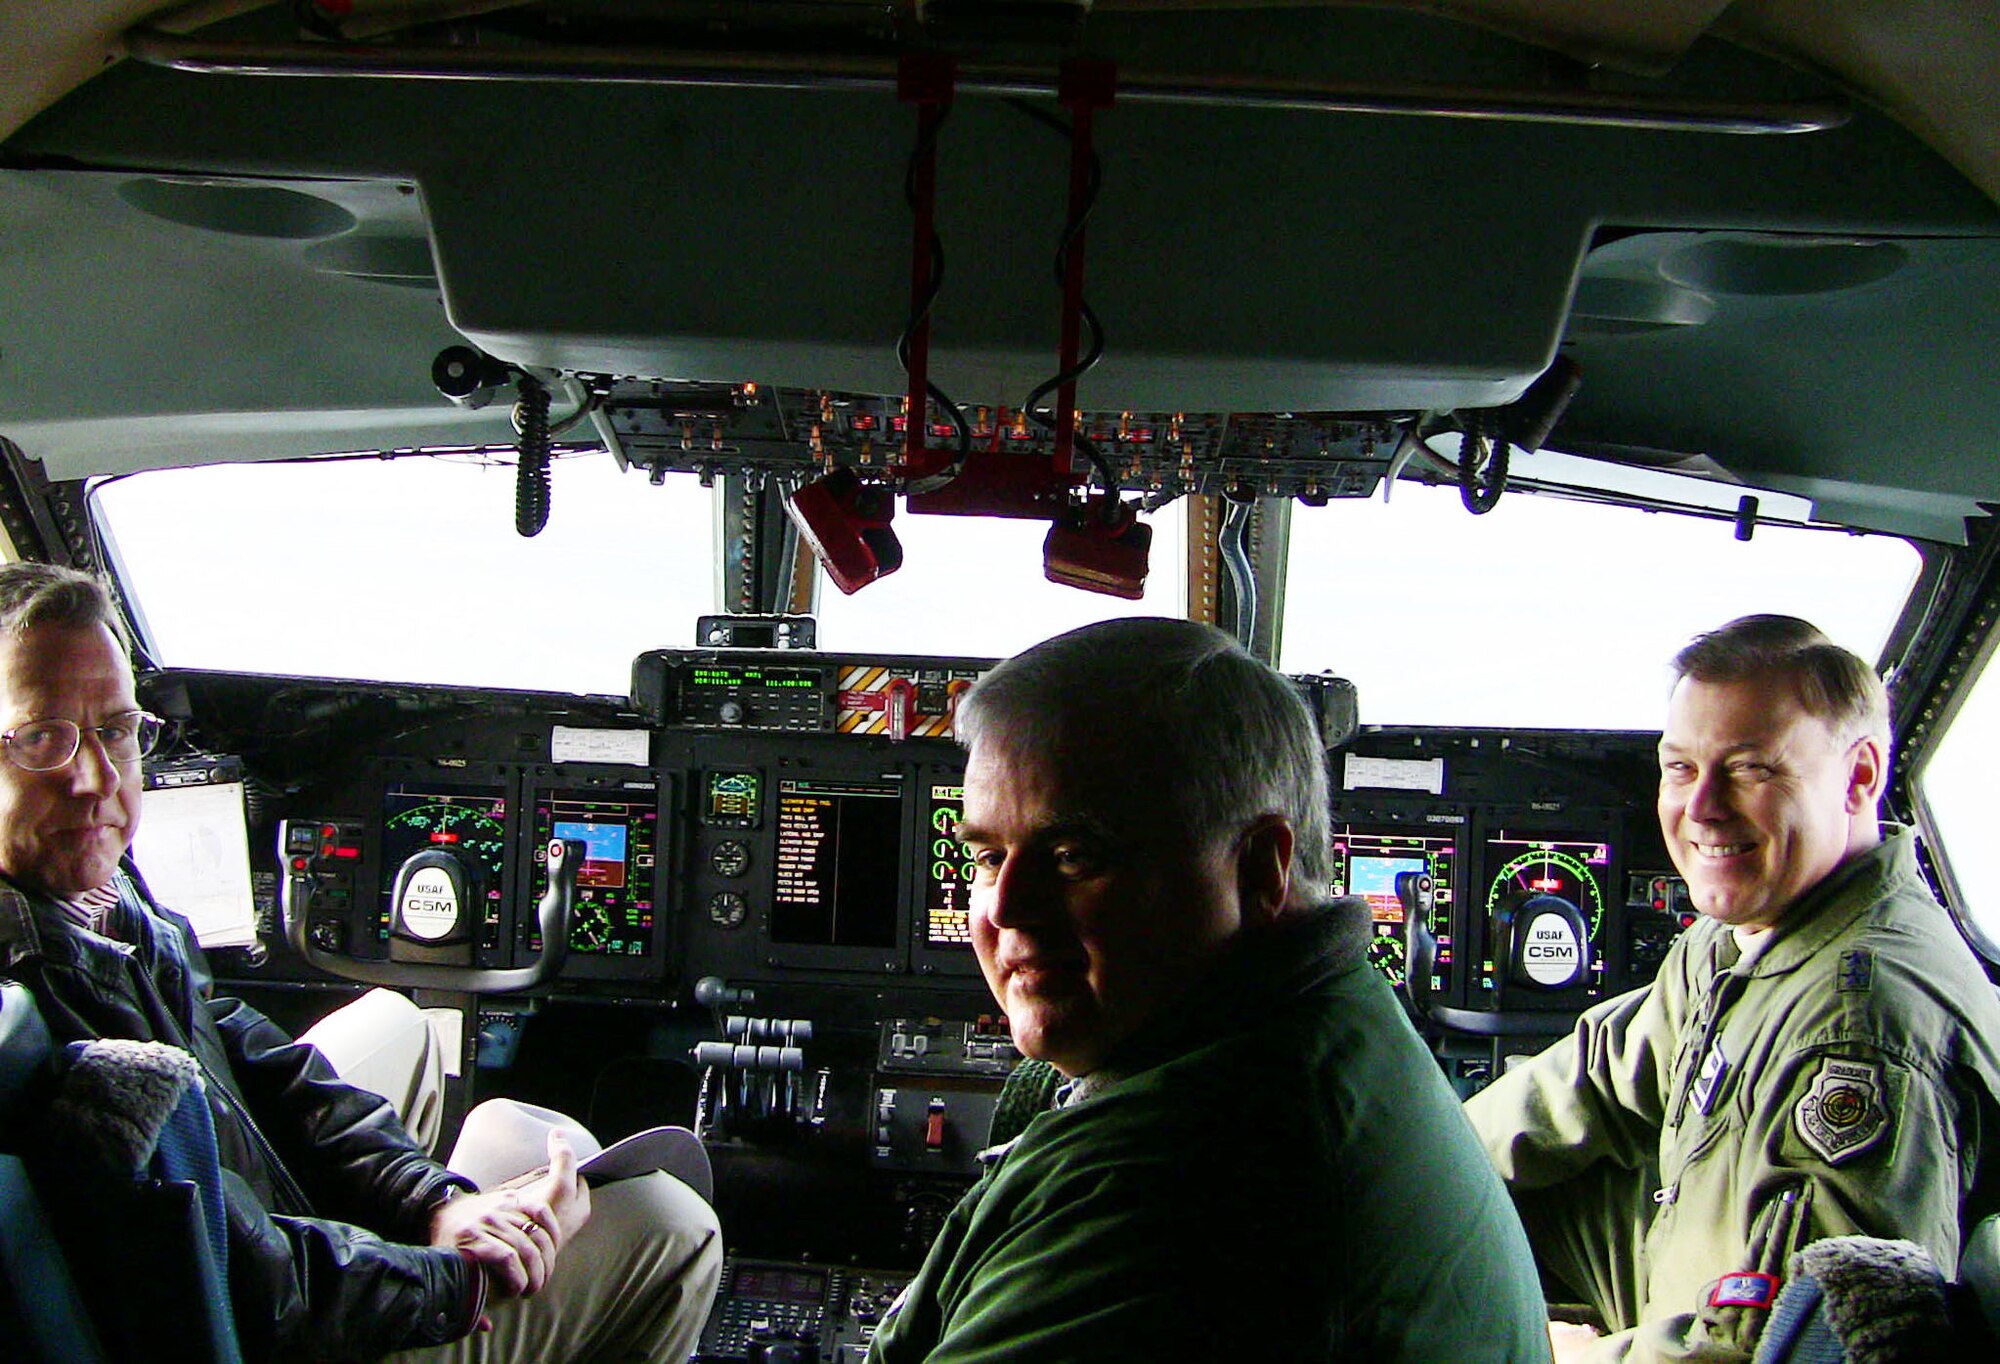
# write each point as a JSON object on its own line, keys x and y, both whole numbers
{"x": 1841, "y": 1078}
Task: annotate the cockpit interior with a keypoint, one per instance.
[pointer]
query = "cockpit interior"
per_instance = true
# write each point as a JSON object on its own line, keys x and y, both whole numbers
{"x": 590, "y": 446}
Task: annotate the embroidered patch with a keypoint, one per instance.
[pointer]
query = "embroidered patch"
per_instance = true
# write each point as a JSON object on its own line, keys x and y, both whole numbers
{"x": 1857, "y": 970}
{"x": 1842, "y": 1115}
{"x": 1708, "y": 1084}
{"x": 1745, "y": 1288}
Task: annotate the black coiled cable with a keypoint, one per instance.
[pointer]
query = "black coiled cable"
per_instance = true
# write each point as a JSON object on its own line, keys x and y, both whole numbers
{"x": 531, "y": 486}
{"x": 1482, "y": 465}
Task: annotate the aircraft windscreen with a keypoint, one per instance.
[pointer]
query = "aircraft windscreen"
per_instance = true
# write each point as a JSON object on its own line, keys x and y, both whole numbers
{"x": 1547, "y": 612}
{"x": 410, "y": 570}
{"x": 1551, "y": 613}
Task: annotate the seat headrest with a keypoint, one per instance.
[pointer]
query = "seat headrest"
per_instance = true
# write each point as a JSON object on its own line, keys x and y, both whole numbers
{"x": 25, "y": 1048}
{"x": 1979, "y": 1269}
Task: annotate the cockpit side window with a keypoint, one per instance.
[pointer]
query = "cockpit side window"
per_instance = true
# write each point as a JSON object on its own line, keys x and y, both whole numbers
{"x": 1552, "y": 612}
{"x": 410, "y": 569}
{"x": 1960, "y": 806}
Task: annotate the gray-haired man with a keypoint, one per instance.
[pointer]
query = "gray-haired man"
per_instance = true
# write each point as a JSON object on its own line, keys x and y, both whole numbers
{"x": 1253, "y": 1155}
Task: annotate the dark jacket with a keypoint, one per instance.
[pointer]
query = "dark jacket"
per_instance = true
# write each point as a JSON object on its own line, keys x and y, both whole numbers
{"x": 1274, "y": 1168}
{"x": 328, "y": 1198}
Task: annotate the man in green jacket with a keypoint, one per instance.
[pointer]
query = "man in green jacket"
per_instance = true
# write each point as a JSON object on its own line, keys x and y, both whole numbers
{"x": 1251, "y": 1154}
{"x": 1817, "y": 1056}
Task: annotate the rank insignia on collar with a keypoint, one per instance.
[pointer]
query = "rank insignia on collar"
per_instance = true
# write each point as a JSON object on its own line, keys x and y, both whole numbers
{"x": 1843, "y": 1113}
{"x": 1745, "y": 1288}
{"x": 1857, "y": 970}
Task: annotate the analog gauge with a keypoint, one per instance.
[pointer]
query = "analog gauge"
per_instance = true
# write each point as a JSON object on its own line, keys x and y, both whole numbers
{"x": 731, "y": 857}
{"x": 727, "y": 909}
{"x": 1547, "y": 871}
{"x": 1385, "y": 953}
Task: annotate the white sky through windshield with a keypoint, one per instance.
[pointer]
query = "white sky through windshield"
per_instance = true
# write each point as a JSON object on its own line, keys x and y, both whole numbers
{"x": 1544, "y": 613}
{"x": 1554, "y": 614}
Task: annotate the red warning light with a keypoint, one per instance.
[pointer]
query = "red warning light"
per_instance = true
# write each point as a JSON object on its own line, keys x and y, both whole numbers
{"x": 444, "y": 836}
{"x": 864, "y": 421}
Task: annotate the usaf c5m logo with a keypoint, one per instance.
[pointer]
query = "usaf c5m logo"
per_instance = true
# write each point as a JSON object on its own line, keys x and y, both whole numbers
{"x": 1842, "y": 1114}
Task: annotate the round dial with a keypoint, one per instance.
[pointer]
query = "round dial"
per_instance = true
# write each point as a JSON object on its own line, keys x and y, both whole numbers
{"x": 731, "y": 857}
{"x": 727, "y": 909}
{"x": 1547, "y": 871}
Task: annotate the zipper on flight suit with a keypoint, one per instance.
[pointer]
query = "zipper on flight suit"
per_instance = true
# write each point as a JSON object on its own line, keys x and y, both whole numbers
{"x": 1722, "y": 993}
{"x": 1723, "y": 990}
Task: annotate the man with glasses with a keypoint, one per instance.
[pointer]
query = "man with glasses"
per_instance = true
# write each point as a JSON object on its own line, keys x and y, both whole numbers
{"x": 1817, "y": 1056}
{"x": 345, "y": 1239}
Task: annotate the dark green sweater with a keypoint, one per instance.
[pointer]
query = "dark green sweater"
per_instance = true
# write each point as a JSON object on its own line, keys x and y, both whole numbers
{"x": 1279, "y": 1172}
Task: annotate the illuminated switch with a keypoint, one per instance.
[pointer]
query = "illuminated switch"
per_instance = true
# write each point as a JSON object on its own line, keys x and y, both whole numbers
{"x": 934, "y": 1126}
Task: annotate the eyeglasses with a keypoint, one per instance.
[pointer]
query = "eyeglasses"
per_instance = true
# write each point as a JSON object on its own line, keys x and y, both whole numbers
{"x": 46, "y": 745}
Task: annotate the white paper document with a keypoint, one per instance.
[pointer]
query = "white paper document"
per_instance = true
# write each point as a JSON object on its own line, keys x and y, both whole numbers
{"x": 193, "y": 848}
{"x": 569, "y": 744}
{"x": 1394, "y": 774}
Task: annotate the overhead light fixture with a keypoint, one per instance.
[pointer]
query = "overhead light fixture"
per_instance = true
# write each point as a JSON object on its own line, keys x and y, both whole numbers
{"x": 846, "y": 522}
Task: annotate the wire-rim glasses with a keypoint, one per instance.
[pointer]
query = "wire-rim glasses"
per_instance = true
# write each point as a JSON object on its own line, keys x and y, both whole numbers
{"x": 48, "y": 745}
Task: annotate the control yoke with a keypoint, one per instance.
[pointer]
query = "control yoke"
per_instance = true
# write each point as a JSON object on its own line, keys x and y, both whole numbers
{"x": 1544, "y": 946}
{"x": 434, "y": 920}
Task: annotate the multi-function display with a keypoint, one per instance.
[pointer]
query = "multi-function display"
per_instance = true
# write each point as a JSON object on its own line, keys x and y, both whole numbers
{"x": 1366, "y": 861}
{"x": 469, "y": 821}
{"x": 732, "y": 800}
{"x": 839, "y": 854}
{"x": 1570, "y": 866}
{"x": 947, "y": 872}
{"x": 613, "y": 915}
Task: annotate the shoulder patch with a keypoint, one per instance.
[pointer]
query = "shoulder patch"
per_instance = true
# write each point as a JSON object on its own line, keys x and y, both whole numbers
{"x": 1857, "y": 970}
{"x": 1842, "y": 1113}
{"x": 1745, "y": 1288}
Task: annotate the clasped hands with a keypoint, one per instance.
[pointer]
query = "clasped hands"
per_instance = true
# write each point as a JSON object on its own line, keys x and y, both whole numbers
{"x": 514, "y": 1233}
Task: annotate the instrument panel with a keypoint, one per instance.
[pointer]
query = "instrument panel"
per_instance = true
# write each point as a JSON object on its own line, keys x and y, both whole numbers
{"x": 764, "y": 842}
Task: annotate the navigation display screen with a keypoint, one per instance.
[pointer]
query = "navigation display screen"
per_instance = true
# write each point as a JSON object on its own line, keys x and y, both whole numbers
{"x": 613, "y": 915}
{"x": 1366, "y": 861}
{"x": 1570, "y": 866}
{"x": 471, "y": 821}
{"x": 947, "y": 872}
{"x": 839, "y": 859}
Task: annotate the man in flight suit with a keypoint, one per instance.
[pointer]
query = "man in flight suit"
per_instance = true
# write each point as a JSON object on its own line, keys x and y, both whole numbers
{"x": 1817, "y": 1056}
{"x": 1253, "y": 1156}
{"x": 345, "y": 1241}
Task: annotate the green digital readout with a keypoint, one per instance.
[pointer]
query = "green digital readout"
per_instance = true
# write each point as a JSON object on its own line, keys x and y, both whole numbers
{"x": 755, "y": 679}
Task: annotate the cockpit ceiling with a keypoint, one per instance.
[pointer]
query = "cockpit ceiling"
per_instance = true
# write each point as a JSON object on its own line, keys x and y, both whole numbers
{"x": 235, "y": 266}
{"x": 1934, "y": 65}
